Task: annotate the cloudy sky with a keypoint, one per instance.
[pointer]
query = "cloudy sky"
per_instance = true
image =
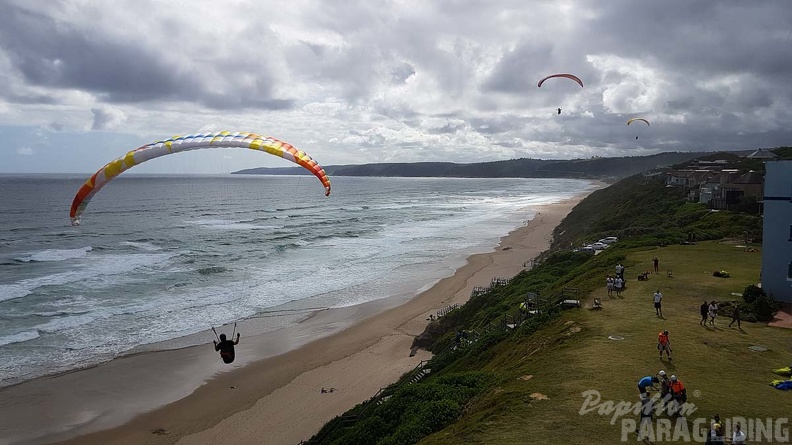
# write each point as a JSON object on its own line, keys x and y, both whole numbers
{"x": 360, "y": 81}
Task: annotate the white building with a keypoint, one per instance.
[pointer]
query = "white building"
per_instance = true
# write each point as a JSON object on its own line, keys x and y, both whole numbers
{"x": 777, "y": 231}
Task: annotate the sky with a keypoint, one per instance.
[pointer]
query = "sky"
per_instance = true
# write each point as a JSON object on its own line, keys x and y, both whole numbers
{"x": 364, "y": 81}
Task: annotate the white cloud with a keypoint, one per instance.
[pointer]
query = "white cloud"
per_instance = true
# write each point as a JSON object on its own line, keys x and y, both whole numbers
{"x": 25, "y": 151}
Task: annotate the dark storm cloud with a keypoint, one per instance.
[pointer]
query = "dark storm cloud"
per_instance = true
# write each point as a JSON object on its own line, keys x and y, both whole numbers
{"x": 49, "y": 53}
{"x": 520, "y": 69}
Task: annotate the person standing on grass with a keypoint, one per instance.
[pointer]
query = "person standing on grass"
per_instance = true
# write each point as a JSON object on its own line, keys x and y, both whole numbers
{"x": 704, "y": 312}
{"x": 713, "y": 312}
{"x": 664, "y": 344}
{"x": 738, "y": 437}
{"x": 658, "y": 297}
{"x": 656, "y": 263}
{"x": 609, "y": 285}
{"x": 618, "y": 283}
{"x": 716, "y": 431}
{"x": 647, "y": 409}
{"x": 736, "y": 315}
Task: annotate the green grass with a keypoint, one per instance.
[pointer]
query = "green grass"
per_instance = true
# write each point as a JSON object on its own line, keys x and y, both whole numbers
{"x": 572, "y": 354}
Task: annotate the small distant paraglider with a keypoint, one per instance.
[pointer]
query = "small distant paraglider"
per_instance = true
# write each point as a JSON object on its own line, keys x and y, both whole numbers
{"x": 638, "y": 119}
{"x": 561, "y": 75}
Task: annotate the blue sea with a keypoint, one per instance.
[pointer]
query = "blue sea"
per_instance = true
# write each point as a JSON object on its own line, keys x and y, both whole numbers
{"x": 158, "y": 258}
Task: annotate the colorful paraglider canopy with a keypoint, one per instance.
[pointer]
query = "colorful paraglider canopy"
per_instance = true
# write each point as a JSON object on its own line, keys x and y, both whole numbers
{"x": 637, "y": 119}
{"x": 176, "y": 144}
{"x": 567, "y": 76}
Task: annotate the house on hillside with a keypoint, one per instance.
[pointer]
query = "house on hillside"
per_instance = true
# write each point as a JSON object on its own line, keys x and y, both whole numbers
{"x": 777, "y": 231}
{"x": 763, "y": 154}
{"x": 733, "y": 188}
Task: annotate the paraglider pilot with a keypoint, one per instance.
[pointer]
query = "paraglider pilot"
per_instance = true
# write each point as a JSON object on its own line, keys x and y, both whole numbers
{"x": 226, "y": 348}
{"x": 559, "y": 111}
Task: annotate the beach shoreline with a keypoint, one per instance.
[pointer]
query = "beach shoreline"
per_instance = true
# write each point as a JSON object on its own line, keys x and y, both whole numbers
{"x": 276, "y": 399}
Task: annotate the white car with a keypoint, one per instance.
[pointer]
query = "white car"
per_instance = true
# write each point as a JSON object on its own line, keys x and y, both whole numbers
{"x": 609, "y": 240}
{"x": 599, "y": 246}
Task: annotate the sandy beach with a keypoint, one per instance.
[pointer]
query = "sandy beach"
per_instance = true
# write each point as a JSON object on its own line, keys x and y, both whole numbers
{"x": 272, "y": 394}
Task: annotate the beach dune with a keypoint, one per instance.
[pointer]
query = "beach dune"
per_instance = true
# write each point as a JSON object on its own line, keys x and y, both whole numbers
{"x": 186, "y": 396}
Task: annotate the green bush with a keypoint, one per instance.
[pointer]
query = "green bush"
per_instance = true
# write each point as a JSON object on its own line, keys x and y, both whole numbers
{"x": 417, "y": 410}
{"x": 751, "y": 293}
{"x": 760, "y": 305}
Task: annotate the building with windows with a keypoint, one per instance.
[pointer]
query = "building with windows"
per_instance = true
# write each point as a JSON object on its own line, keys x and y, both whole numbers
{"x": 777, "y": 231}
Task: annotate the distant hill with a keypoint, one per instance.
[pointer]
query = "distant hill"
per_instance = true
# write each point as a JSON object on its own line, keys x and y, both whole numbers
{"x": 595, "y": 168}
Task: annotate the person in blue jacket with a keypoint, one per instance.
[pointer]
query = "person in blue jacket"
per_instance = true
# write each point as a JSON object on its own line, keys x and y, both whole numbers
{"x": 647, "y": 382}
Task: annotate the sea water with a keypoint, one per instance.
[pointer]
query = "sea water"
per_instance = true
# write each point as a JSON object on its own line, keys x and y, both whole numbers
{"x": 158, "y": 258}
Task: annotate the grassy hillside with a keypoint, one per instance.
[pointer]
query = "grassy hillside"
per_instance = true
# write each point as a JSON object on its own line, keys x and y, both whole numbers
{"x": 572, "y": 354}
{"x": 643, "y": 211}
{"x": 526, "y": 384}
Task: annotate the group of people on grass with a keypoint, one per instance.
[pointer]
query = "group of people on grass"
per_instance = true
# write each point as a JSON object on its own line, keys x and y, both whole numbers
{"x": 709, "y": 311}
{"x": 614, "y": 284}
{"x": 672, "y": 395}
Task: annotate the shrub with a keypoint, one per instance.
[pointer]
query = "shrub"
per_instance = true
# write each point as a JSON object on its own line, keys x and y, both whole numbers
{"x": 751, "y": 293}
{"x": 762, "y": 306}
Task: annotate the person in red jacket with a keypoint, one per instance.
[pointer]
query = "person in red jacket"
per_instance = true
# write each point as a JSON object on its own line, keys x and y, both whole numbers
{"x": 678, "y": 394}
{"x": 664, "y": 344}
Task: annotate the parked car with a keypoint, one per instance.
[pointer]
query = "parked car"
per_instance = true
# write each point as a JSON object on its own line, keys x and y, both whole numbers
{"x": 599, "y": 246}
{"x": 609, "y": 240}
{"x": 588, "y": 249}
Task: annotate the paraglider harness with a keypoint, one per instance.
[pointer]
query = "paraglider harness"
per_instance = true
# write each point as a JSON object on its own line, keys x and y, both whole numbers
{"x": 226, "y": 347}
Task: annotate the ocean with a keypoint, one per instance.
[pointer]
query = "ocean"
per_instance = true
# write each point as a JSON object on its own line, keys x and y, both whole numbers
{"x": 158, "y": 258}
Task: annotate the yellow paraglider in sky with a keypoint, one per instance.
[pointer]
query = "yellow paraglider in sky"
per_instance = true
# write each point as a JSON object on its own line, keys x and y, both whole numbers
{"x": 638, "y": 119}
{"x": 176, "y": 144}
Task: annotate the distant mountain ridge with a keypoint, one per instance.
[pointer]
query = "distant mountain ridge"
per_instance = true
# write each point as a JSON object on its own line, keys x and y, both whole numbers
{"x": 595, "y": 168}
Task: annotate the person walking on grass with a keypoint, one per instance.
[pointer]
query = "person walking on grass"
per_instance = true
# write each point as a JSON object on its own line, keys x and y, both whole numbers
{"x": 704, "y": 312}
{"x": 736, "y": 315}
{"x": 664, "y": 344}
{"x": 658, "y": 298}
{"x": 713, "y": 312}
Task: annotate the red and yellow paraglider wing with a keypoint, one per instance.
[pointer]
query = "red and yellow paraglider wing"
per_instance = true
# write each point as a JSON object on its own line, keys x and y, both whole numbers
{"x": 176, "y": 144}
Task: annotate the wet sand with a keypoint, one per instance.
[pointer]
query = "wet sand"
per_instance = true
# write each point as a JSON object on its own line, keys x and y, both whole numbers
{"x": 272, "y": 393}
